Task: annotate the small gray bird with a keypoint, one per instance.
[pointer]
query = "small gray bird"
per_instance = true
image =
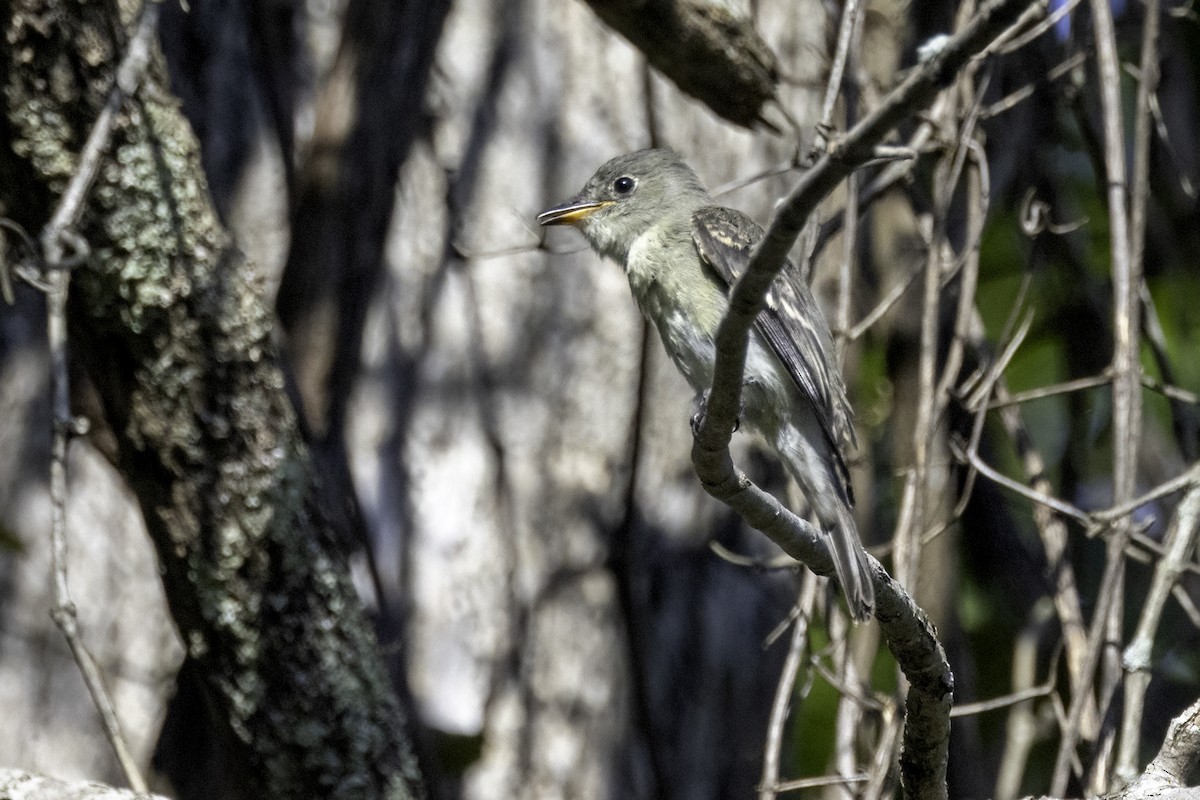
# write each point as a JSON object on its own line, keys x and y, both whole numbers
{"x": 649, "y": 212}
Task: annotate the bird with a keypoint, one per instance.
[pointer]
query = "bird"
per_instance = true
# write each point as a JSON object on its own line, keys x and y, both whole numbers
{"x": 650, "y": 213}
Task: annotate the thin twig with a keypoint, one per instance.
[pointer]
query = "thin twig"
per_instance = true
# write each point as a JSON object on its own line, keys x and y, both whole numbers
{"x": 782, "y": 168}
{"x": 1013, "y": 98}
{"x": 1021, "y": 726}
{"x": 984, "y": 390}
{"x": 849, "y": 38}
{"x": 1066, "y": 759}
{"x": 884, "y": 305}
{"x": 1052, "y": 531}
{"x": 27, "y": 274}
{"x": 846, "y": 690}
{"x": 776, "y": 562}
{"x": 1042, "y": 392}
{"x": 932, "y": 400}
{"x": 884, "y": 757}
{"x": 846, "y": 269}
{"x": 1184, "y": 418}
{"x": 996, "y": 703}
{"x": 1005, "y": 46}
{"x": 783, "y": 692}
{"x": 781, "y": 628}
{"x": 911, "y": 519}
{"x": 1176, "y": 484}
{"x": 851, "y": 14}
{"x": 1187, "y": 604}
{"x": 1170, "y": 391}
{"x": 62, "y": 249}
{"x": 1126, "y": 367}
{"x": 977, "y": 388}
{"x": 129, "y": 75}
{"x": 978, "y": 193}
{"x": 848, "y": 726}
{"x": 1053, "y": 503}
{"x": 1180, "y": 543}
{"x": 910, "y": 635}
{"x": 1164, "y": 135}
{"x": 816, "y": 783}
{"x": 895, "y": 173}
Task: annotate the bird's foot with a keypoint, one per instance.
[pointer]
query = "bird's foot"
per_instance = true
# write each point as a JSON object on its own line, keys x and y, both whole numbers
{"x": 702, "y": 411}
{"x": 700, "y": 408}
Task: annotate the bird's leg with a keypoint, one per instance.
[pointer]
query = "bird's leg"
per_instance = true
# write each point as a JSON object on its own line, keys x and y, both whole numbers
{"x": 700, "y": 409}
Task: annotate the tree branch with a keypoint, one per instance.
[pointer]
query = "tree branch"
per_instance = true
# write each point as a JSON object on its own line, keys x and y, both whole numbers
{"x": 58, "y": 264}
{"x": 1128, "y": 384}
{"x": 1179, "y": 544}
{"x": 179, "y": 344}
{"x": 18, "y": 785}
{"x": 910, "y": 635}
{"x": 709, "y": 53}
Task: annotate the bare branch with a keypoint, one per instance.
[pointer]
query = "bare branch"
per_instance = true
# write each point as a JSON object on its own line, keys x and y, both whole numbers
{"x": 816, "y": 783}
{"x": 1042, "y": 392}
{"x": 1032, "y": 693}
{"x": 769, "y": 786}
{"x": 883, "y": 306}
{"x": 1052, "y": 531}
{"x": 1011, "y": 44}
{"x": 1127, "y": 408}
{"x": 1061, "y": 506}
{"x": 1180, "y": 543}
{"x": 1165, "y": 777}
{"x": 885, "y": 754}
{"x": 129, "y": 74}
{"x": 1176, "y": 484}
{"x": 1021, "y": 727}
{"x": 910, "y": 636}
{"x": 847, "y": 30}
{"x": 707, "y": 51}
{"x": 58, "y": 263}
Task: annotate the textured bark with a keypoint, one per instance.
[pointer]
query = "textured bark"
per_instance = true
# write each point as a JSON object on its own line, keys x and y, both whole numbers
{"x": 170, "y": 323}
{"x": 17, "y": 785}
{"x": 710, "y": 53}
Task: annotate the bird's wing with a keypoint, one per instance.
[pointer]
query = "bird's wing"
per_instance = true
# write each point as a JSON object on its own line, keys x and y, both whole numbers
{"x": 724, "y": 239}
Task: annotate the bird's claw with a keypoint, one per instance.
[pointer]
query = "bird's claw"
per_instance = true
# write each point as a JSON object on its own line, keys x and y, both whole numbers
{"x": 702, "y": 411}
{"x": 698, "y": 414}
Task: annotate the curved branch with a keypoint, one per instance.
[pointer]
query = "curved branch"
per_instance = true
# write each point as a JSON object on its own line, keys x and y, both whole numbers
{"x": 911, "y": 637}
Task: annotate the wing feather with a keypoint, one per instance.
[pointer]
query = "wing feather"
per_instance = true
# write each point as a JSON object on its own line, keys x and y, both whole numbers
{"x": 792, "y": 324}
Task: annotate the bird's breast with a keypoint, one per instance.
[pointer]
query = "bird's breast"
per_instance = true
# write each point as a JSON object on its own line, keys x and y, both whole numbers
{"x": 684, "y": 303}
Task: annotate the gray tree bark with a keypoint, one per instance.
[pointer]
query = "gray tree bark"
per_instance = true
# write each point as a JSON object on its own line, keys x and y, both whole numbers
{"x": 169, "y": 321}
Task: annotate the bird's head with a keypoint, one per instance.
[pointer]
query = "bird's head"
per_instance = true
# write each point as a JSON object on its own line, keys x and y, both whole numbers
{"x": 627, "y": 197}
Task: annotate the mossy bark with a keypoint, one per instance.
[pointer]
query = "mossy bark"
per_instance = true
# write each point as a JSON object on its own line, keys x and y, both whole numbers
{"x": 170, "y": 321}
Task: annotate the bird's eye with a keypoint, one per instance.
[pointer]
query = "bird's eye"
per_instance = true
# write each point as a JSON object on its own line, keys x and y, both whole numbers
{"x": 624, "y": 184}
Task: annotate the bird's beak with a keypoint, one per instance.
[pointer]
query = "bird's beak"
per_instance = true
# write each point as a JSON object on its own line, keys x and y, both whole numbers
{"x": 571, "y": 212}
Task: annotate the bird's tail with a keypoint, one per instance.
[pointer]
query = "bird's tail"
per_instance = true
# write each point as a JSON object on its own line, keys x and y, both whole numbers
{"x": 850, "y": 561}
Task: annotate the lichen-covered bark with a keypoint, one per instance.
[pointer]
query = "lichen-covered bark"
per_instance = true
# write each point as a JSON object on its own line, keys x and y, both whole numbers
{"x": 19, "y": 785}
{"x": 169, "y": 320}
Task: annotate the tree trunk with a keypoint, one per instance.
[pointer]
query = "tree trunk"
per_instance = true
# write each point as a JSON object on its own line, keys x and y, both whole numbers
{"x": 169, "y": 320}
